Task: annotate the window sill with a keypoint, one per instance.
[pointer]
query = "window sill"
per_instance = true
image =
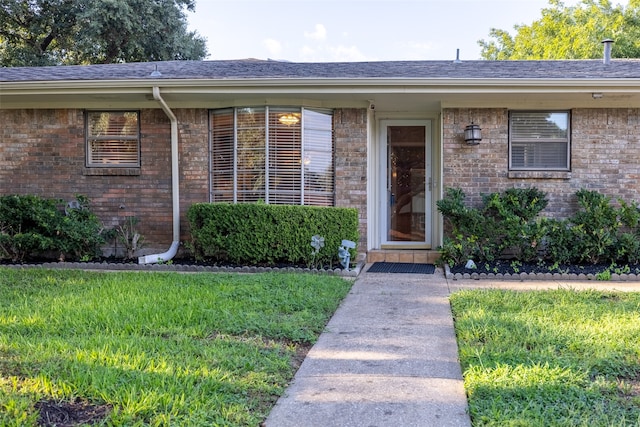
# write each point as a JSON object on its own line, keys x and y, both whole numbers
{"x": 539, "y": 175}
{"x": 111, "y": 171}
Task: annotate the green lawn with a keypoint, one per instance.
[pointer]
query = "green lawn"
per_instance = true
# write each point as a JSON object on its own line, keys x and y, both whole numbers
{"x": 154, "y": 348}
{"x": 551, "y": 358}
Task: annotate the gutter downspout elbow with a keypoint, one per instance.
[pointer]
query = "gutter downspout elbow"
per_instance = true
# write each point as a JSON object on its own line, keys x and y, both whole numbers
{"x": 175, "y": 186}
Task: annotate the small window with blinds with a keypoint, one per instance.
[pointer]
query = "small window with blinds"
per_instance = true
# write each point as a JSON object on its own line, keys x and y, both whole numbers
{"x": 539, "y": 140}
{"x": 113, "y": 139}
{"x": 277, "y": 155}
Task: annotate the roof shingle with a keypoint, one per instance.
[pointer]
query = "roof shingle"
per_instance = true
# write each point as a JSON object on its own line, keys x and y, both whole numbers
{"x": 258, "y": 69}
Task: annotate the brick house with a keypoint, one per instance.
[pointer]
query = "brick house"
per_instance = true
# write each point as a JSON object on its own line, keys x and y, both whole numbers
{"x": 150, "y": 139}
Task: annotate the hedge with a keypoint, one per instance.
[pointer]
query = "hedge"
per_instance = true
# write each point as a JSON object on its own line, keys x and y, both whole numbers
{"x": 261, "y": 234}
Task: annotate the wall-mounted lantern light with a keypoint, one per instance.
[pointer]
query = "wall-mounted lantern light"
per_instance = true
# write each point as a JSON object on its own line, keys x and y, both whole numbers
{"x": 472, "y": 134}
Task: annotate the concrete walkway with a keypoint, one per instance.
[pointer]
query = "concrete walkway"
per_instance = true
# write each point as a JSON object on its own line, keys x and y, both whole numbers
{"x": 388, "y": 357}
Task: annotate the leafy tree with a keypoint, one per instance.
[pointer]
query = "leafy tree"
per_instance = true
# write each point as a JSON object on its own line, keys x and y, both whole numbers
{"x": 573, "y": 32}
{"x": 53, "y": 32}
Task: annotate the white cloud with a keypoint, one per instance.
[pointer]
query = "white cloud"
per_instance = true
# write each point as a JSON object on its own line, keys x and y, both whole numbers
{"x": 273, "y": 46}
{"x": 307, "y": 52}
{"x": 347, "y": 53}
{"x": 320, "y": 33}
{"x": 327, "y": 53}
{"x": 413, "y": 50}
{"x": 318, "y": 49}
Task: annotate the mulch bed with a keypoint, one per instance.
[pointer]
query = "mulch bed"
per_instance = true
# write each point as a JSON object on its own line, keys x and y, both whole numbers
{"x": 178, "y": 264}
{"x": 67, "y": 414}
{"x": 514, "y": 268}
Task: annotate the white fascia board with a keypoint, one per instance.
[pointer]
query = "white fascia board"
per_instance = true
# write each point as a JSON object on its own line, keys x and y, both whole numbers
{"x": 311, "y": 85}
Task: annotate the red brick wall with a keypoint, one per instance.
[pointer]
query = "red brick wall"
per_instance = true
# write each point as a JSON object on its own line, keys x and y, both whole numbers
{"x": 350, "y": 130}
{"x": 43, "y": 152}
{"x": 605, "y": 156}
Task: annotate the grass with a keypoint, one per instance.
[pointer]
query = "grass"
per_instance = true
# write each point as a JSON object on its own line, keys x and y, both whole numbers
{"x": 551, "y": 358}
{"x": 155, "y": 348}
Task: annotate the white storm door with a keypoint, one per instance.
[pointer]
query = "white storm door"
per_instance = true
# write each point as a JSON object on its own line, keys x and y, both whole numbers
{"x": 405, "y": 183}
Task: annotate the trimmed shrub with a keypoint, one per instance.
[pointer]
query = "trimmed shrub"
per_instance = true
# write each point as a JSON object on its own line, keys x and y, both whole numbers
{"x": 256, "y": 234}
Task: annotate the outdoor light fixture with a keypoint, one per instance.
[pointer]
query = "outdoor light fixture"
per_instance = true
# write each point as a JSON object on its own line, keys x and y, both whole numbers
{"x": 597, "y": 95}
{"x": 289, "y": 119}
{"x": 472, "y": 134}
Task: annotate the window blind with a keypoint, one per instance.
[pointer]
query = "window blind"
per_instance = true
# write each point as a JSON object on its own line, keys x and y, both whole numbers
{"x": 276, "y": 155}
{"x": 222, "y": 157}
{"x": 113, "y": 139}
{"x": 318, "y": 159}
{"x": 539, "y": 140}
{"x": 285, "y": 154}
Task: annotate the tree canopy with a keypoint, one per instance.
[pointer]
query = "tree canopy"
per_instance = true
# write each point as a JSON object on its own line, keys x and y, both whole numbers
{"x": 56, "y": 32}
{"x": 570, "y": 32}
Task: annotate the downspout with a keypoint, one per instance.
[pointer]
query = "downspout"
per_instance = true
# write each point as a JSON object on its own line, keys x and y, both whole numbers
{"x": 175, "y": 185}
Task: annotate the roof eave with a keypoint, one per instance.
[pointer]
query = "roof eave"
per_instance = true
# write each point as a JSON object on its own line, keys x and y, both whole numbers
{"x": 307, "y": 85}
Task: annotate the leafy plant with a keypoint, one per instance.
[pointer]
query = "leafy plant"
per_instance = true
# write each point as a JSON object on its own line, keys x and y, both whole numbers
{"x": 507, "y": 226}
{"x": 559, "y": 242}
{"x": 505, "y": 222}
{"x": 470, "y": 235}
{"x": 34, "y": 226}
{"x": 27, "y": 226}
{"x": 317, "y": 243}
{"x": 79, "y": 231}
{"x": 594, "y": 227}
{"x": 127, "y": 234}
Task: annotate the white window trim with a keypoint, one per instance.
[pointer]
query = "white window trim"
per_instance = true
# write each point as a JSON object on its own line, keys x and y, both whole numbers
{"x": 115, "y": 163}
{"x": 567, "y": 167}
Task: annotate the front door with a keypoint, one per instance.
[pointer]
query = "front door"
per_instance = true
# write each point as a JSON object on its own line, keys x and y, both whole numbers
{"x": 406, "y": 176}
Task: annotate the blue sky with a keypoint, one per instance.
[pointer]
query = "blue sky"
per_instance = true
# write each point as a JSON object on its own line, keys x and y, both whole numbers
{"x": 355, "y": 30}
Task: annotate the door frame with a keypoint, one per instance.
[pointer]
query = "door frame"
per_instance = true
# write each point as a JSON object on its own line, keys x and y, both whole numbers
{"x": 381, "y": 184}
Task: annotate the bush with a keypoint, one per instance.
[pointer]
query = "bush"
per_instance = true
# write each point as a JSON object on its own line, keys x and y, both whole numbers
{"x": 31, "y": 226}
{"x": 507, "y": 225}
{"x": 511, "y": 215}
{"x": 79, "y": 232}
{"x": 254, "y": 234}
{"x": 27, "y": 226}
{"x": 604, "y": 233}
{"x": 560, "y": 246}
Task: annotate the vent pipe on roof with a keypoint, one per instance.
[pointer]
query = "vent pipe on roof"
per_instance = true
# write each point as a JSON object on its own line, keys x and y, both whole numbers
{"x": 606, "y": 60}
{"x": 457, "y": 61}
{"x": 175, "y": 185}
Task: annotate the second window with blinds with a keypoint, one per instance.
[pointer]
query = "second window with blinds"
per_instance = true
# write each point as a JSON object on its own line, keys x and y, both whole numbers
{"x": 273, "y": 155}
{"x": 539, "y": 140}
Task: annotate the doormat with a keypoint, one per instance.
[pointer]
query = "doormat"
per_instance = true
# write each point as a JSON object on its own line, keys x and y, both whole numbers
{"x": 401, "y": 267}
